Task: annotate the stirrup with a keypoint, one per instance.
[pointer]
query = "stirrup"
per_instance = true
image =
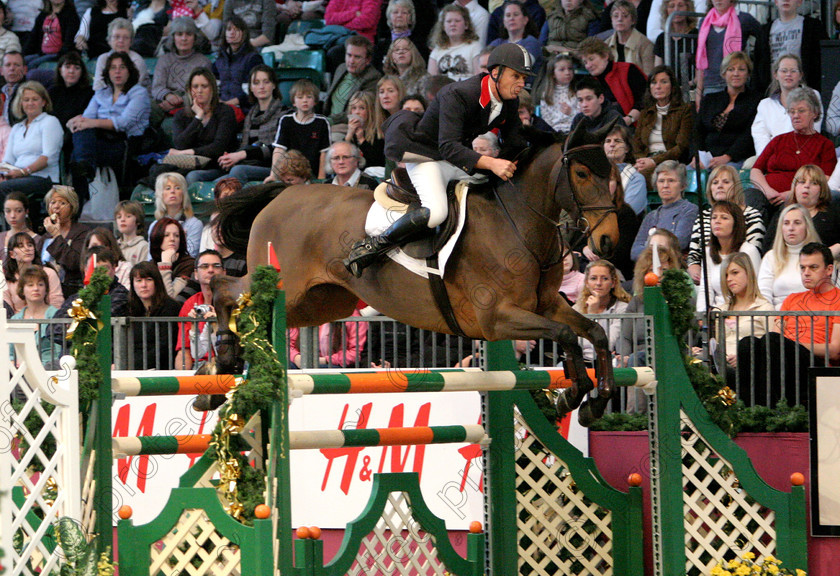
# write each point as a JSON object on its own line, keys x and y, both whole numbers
{"x": 364, "y": 253}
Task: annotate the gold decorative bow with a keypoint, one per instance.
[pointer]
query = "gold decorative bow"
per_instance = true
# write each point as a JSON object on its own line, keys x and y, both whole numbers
{"x": 726, "y": 395}
{"x": 79, "y": 313}
{"x": 242, "y": 302}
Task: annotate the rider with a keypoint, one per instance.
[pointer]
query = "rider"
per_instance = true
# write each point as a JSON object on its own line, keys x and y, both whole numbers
{"x": 437, "y": 147}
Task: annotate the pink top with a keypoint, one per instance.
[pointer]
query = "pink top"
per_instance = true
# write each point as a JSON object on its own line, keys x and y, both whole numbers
{"x": 330, "y": 342}
{"x": 572, "y": 284}
{"x": 361, "y": 16}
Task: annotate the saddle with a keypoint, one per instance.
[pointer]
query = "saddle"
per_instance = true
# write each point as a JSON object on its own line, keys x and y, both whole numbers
{"x": 399, "y": 195}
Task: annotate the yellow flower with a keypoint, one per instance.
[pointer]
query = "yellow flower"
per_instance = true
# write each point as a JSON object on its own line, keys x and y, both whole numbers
{"x": 734, "y": 563}
{"x": 717, "y": 570}
{"x": 773, "y": 569}
{"x": 748, "y": 556}
{"x": 801, "y": 572}
{"x": 743, "y": 570}
{"x": 771, "y": 558}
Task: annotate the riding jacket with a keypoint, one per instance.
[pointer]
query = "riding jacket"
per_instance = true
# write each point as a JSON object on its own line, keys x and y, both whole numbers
{"x": 459, "y": 113}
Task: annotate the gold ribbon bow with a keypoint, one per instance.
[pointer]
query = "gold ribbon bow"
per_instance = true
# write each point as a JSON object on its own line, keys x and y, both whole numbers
{"x": 79, "y": 313}
{"x": 242, "y": 302}
{"x": 726, "y": 395}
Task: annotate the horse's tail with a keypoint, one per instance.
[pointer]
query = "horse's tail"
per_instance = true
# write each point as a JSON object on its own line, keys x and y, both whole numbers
{"x": 237, "y": 213}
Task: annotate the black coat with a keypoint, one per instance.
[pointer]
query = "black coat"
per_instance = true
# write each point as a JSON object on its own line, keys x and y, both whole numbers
{"x": 736, "y": 137}
{"x": 459, "y": 113}
{"x": 154, "y": 343}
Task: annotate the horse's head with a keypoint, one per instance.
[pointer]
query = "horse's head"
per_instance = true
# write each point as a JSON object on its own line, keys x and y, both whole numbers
{"x": 582, "y": 178}
{"x": 226, "y": 290}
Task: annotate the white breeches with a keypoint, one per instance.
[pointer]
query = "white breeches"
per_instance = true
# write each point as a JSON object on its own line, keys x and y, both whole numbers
{"x": 430, "y": 179}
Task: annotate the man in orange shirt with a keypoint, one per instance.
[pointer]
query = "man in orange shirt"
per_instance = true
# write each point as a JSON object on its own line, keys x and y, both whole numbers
{"x": 794, "y": 339}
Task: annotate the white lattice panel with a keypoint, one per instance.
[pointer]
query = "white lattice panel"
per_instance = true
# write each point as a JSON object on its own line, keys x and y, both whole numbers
{"x": 193, "y": 547}
{"x": 719, "y": 515}
{"x": 559, "y": 530}
{"x": 53, "y": 448}
{"x": 397, "y": 545}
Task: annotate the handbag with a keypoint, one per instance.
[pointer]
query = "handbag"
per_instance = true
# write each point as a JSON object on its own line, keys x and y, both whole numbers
{"x": 104, "y": 195}
{"x": 186, "y": 161}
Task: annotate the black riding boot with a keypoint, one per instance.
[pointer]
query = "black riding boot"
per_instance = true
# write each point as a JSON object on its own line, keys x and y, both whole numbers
{"x": 412, "y": 226}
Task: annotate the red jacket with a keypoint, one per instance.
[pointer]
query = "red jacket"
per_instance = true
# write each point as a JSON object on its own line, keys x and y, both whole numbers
{"x": 361, "y": 16}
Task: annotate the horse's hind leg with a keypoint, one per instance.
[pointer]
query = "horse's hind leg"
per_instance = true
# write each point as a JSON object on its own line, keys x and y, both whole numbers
{"x": 571, "y": 397}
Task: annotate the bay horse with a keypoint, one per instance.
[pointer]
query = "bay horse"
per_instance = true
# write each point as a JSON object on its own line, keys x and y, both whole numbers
{"x": 502, "y": 279}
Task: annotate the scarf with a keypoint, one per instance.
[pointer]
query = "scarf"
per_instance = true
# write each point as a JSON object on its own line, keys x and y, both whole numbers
{"x": 731, "y": 41}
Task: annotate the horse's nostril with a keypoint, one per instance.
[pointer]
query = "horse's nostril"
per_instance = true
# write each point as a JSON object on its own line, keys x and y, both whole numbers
{"x": 606, "y": 246}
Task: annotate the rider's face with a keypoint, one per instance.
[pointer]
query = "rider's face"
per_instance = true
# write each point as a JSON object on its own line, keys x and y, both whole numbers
{"x": 510, "y": 83}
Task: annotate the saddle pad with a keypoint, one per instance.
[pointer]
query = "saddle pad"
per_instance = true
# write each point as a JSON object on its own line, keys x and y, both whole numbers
{"x": 388, "y": 203}
{"x": 379, "y": 218}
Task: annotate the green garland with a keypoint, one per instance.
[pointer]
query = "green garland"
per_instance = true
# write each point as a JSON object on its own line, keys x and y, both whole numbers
{"x": 257, "y": 392}
{"x": 84, "y": 335}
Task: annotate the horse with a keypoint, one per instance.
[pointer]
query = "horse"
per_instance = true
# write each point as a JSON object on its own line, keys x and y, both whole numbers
{"x": 502, "y": 279}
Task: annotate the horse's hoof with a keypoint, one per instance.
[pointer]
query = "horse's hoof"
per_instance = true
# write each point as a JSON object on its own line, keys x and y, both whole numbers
{"x": 565, "y": 403}
{"x": 605, "y": 388}
{"x": 592, "y": 410}
{"x": 207, "y": 402}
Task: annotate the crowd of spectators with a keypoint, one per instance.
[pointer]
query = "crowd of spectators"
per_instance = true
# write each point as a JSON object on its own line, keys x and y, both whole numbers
{"x": 752, "y": 120}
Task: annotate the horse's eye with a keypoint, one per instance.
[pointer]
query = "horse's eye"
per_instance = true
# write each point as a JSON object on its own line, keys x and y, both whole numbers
{"x": 581, "y": 173}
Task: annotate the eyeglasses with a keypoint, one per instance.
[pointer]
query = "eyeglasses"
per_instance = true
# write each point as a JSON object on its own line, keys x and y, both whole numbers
{"x": 215, "y": 266}
{"x": 342, "y": 158}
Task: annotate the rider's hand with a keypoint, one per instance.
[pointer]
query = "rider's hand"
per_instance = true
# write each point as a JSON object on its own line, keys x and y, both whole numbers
{"x": 502, "y": 168}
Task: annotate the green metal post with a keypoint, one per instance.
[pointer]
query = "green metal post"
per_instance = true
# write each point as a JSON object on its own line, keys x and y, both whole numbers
{"x": 475, "y": 552}
{"x": 797, "y": 556}
{"x": 280, "y": 499}
{"x": 499, "y": 468}
{"x": 103, "y": 464}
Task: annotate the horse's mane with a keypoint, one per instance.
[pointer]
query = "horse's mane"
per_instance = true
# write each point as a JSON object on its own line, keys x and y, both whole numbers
{"x": 539, "y": 140}
{"x": 237, "y": 213}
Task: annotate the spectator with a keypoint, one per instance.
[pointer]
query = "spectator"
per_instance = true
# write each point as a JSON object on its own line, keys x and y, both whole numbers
{"x": 725, "y": 117}
{"x": 22, "y": 253}
{"x": 120, "y": 37}
{"x": 431, "y": 85}
{"x": 64, "y": 238}
{"x": 364, "y": 128}
{"x": 656, "y": 26}
{"x": 729, "y": 236}
{"x": 205, "y": 127}
{"x": 340, "y": 344}
{"x": 198, "y": 348}
{"x": 739, "y": 286}
{"x": 235, "y": 264}
{"x": 723, "y": 185}
{"x": 172, "y": 201}
{"x": 528, "y": 113}
{"x": 558, "y": 104}
{"x": 773, "y": 171}
{"x": 602, "y": 294}
{"x": 617, "y": 149}
{"x": 353, "y": 75}
{"x": 152, "y": 342}
{"x": 33, "y": 148}
{"x": 532, "y": 8}
{"x": 626, "y": 43}
{"x": 70, "y": 93}
{"x": 623, "y": 83}
{"x": 13, "y": 72}
{"x": 415, "y": 103}
{"x": 643, "y": 10}
{"x": 795, "y": 339}
{"x": 253, "y": 159}
{"x": 684, "y": 27}
{"x": 771, "y": 118}
{"x": 718, "y": 38}
{"x": 359, "y": 16}
{"x": 487, "y": 144}
{"x": 290, "y": 10}
{"x": 260, "y": 18}
{"x": 102, "y": 236}
{"x": 53, "y": 32}
{"x": 792, "y": 33}
{"x": 16, "y": 214}
{"x": 518, "y": 28}
{"x": 389, "y": 93}
{"x": 233, "y": 66}
{"x": 304, "y": 130}
{"x": 130, "y": 221}
{"x": 8, "y": 40}
{"x": 34, "y": 290}
{"x": 93, "y": 30}
{"x": 479, "y": 17}
{"x": 778, "y": 276}
{"x": 23, "y": 14}
{"x": 628, "y": 227}
{"x": 594, "y": 113}
{"x": 119, "y": 295}
{"x": 345, "y": 162}
{"x": 168, "y": 251}
{"x": 404, "y": 60}
{"x": 173, "y": 68}
{"x": 666, "y": 123}
{"x": 810, "y": 191}
{"x": 292, "y": 168}
{"x": 573, "y": 278}
{"x": 832, "y": 118}
{"x": 676, "y": 213}
{"x": 110, "y": 129}
{"x": 149, "y": 24}
{"x": 400, "y": 22}
{"x": 454, "y": 44}
{"x": 567, "y": 25}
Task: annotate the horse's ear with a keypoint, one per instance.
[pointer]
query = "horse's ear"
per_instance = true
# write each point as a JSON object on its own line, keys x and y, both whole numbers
{"x": 599, "y": 136}
{"x": 539, "y": 138}
{"x": 576, "y": 138}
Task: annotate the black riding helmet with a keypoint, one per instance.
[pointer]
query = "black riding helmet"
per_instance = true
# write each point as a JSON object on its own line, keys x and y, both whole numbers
{"x": 511, "y": 56}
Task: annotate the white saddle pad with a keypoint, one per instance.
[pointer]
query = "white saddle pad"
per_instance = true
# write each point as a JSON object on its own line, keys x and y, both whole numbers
{"x": 379, "y": 219}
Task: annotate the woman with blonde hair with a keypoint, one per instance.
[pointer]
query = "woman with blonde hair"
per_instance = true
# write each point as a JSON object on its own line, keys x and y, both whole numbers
{"x": 454, "y": 44}
{"x": 405, "y": 61}
{"x": 364, "y": 127}
{"x": 172, "y": 200}
{"x": 64, "y": 239}
{"x": 602, "y": 294}
{"x": 723, "y": 184}
{"x": 389, "y": 93}
{"x": 778, "y": 276}
{"x": 811, "y": 191}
